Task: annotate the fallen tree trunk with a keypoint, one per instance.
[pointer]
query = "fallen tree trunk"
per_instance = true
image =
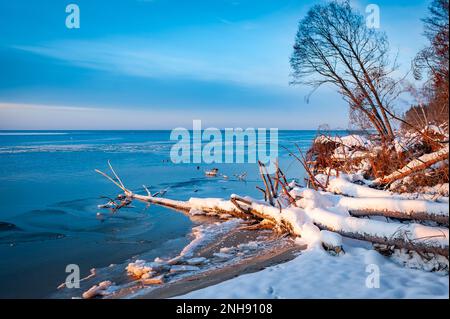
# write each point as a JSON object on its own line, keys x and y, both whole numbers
{"x": 415, "y": 165}
{"x": 422, "y": 216}
{"x": 306, "y": 222}
{"x": 412, "y": 236}
{"x": 397, "y": 208}
{"x": 217, "y": 206}
{"x": 374, "y": 202}
{"x": 341, "y": 186}
{"x": 409, "y": 236}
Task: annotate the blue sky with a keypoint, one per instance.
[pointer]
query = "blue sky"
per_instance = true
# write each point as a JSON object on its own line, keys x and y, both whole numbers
{"x": 159, "y": 64}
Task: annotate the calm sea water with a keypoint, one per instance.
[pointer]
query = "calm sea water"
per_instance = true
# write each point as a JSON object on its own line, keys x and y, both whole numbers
{"x": 49, "y": 194}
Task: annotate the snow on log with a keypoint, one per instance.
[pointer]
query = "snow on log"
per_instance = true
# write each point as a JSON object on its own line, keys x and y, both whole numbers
{"x": 195, "y": 206}
{"x": 409, "y": 236}
{"x": 396, "y": 208}
{"x": 347, "y": 141}
{"x": 102, "y": 289}
{"x": 415, "y": 165}
{"x": 393, "y": 207}
{"x": 218, "y": 206}
{"x": 341, "y": 185}
{"x": 331, "y": 241}
{"x": 175, "y": 204}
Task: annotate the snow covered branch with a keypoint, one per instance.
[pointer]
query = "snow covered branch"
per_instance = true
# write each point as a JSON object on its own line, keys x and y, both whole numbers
{"x": 415, "y": 165}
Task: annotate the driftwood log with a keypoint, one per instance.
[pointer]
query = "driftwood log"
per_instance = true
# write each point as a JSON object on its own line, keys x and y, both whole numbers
{"x": 393, "y": 208}
{"x": 285, "y": 219}
{"x": 422, "y": 216}
{"x": 246, "y": 209}
{"x": 362, "y": 201}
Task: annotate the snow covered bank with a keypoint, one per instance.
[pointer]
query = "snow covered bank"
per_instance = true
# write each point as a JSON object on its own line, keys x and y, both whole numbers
{"x": 316, "y": 274}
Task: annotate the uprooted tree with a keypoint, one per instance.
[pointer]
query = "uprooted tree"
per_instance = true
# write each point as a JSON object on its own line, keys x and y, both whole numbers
{"x": 306, "y": 213}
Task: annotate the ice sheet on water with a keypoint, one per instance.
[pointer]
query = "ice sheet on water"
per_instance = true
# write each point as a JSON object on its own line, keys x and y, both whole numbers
{"x": 144, "y": 148}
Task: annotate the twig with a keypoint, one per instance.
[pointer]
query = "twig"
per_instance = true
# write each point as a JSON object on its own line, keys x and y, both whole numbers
{"x": 112, "y": 170}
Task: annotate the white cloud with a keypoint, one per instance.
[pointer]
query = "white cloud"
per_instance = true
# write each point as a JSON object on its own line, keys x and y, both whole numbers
{"x": 41, "y": 107}
{"x": 249, "y": 53}
{"x": 138, "y": 58}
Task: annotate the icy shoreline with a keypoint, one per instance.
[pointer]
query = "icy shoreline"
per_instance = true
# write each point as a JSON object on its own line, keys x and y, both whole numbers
{"x": 218, "y": 250}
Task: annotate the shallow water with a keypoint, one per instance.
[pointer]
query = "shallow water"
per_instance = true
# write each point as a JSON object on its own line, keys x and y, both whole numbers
{"x": 49, "y": 194}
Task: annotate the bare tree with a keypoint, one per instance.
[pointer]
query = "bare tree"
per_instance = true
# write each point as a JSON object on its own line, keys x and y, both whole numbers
{"x": 434, "y": 61}
{"x": 334, "y": 46}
